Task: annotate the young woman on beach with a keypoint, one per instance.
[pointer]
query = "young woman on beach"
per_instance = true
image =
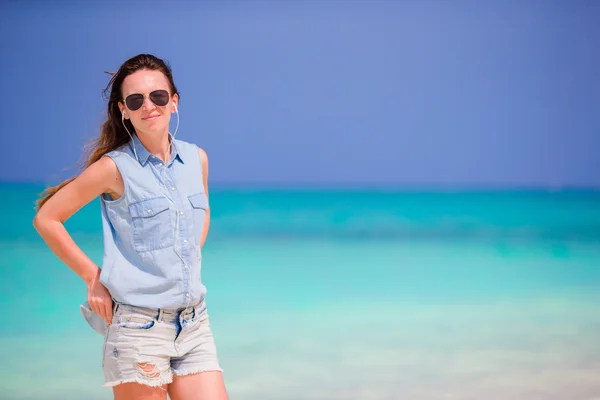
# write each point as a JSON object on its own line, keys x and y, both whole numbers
{"x": 148, "y": 299}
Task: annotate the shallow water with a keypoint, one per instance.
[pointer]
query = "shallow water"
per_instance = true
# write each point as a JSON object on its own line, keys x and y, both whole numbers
{"x": 344, "y": 295}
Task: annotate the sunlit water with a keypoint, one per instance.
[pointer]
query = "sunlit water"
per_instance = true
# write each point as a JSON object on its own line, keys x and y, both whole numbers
{"x": 344, "y": 295}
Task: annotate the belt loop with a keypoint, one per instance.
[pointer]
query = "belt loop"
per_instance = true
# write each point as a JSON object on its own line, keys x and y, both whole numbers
{"x": 160, "y": 315}
{"x": 115, "y": 307}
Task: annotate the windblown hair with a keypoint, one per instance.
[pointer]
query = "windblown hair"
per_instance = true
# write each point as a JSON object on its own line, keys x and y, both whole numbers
{"x": 113, "y": 134}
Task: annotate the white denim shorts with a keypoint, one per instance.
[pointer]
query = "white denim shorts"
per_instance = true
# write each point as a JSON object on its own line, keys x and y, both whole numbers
{"x": 149, "y": 346}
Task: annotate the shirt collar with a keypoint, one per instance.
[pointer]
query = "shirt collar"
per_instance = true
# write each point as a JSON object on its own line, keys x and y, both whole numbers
{"x": 143, "y": 154}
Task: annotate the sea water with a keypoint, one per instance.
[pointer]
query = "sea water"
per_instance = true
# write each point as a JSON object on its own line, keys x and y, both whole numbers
{"x": 343, "y": 294}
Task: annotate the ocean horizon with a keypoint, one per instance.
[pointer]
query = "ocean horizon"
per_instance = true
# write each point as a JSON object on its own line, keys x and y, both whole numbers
{"x": 338, "y": 292}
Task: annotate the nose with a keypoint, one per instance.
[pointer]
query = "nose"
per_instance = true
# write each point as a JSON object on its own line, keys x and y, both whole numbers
{"x": 148, "y": 104}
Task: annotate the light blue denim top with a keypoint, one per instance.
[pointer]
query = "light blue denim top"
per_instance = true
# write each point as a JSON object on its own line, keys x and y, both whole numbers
{"x": 152, "y": 255}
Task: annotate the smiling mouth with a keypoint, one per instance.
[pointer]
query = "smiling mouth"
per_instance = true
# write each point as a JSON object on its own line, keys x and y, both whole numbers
{"x": 150, "y": 117}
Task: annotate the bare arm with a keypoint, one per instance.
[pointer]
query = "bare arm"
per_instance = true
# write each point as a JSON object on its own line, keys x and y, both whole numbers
{"x": 204, "y": 160}
{"x": 101, "y": 177}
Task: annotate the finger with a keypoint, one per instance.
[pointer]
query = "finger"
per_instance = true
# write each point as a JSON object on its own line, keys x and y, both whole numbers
{"x": 107, "y": 311}
{"x": 93, "y": 305}
{"x": 102, "y": 310}
{"x": 110, "y": 311}
{"x": 99, "y": 308}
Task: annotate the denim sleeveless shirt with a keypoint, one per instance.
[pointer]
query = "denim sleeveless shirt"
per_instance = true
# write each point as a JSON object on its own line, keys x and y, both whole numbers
{"x": 152, "y": 255}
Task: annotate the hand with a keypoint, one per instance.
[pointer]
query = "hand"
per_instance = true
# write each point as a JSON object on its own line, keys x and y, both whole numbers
{"x": 100, "y": 300}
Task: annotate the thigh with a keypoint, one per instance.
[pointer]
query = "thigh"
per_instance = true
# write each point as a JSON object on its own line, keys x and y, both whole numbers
{"x": 135, "y": 391}
{"x": 207, "y": 385}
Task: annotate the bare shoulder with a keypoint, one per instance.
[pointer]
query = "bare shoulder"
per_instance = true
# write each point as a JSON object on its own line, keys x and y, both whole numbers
{"x": 204, "y": 162}
{"x": 105, "y": 165}
{"x": 103, "y": 176}
{"x": 112, "y": 177}
{"x": 203, "y": 156}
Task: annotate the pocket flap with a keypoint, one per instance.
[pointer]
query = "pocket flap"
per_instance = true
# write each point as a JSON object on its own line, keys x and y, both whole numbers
{"x": 93, "y": 319}
{"x": 149, "y": 207}
{"x": 199, "y": 200}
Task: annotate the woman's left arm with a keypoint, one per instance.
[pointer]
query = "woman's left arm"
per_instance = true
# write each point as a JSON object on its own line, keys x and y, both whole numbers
{"x": 204, "y": 160}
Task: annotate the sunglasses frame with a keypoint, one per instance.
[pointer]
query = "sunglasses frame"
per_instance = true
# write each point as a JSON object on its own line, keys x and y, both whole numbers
{"x": 149, "y": 96}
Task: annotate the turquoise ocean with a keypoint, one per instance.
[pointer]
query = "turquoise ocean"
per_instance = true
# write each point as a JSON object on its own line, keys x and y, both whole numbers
{"x": 323, "y": 294}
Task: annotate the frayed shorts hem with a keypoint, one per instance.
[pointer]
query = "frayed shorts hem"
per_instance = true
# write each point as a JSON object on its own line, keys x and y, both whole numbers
{"x": 162, "y": 381}
{"x": 196, "y": 371}
{"x": 147, "y": 382}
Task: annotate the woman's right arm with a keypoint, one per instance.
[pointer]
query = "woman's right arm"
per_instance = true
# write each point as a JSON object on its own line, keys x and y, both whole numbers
{"x": 100, "y": 177}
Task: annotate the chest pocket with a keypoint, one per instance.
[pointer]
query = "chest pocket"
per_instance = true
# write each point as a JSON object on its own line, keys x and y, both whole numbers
{"x": 152, "y": 225}
{"x": 199, "y": 202}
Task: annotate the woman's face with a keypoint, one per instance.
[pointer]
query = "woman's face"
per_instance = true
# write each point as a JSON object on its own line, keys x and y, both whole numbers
{"x": 150, "y": 118}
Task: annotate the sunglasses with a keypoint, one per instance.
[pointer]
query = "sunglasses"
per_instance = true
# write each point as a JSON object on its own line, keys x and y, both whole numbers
{"x": 136, "y": 100}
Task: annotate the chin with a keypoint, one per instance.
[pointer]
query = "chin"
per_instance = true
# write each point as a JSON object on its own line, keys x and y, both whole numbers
{"x": 155, "y": 126}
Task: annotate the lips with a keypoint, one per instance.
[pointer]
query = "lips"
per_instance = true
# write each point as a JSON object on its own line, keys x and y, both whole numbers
{"x": 150, "y": 117}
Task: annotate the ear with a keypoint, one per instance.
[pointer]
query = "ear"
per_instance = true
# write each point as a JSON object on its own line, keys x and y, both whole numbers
{"x": 123, "y": 112}
{"x": 174, "y": 103}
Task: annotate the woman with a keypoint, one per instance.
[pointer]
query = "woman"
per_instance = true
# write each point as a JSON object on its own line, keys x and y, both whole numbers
{"x": 154, "y": 204}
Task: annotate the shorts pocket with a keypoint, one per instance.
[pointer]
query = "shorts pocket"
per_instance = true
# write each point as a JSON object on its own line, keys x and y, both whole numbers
{"x": 136, "y": 322}
{"x": 152, "y": 227}
{"x": 200, "y": 316}
{"x": 199, "y": 202}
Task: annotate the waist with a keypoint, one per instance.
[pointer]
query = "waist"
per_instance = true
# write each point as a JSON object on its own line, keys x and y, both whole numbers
{"x": 161, "y": 314}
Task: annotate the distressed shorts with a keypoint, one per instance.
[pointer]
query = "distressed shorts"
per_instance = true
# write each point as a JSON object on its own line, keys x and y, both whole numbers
{"x": 148, "y": 346}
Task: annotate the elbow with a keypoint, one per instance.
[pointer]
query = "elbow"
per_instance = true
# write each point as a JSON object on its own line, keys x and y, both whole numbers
{"x": 38, "y": 223}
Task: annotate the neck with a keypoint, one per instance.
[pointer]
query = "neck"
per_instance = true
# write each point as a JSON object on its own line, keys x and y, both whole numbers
{"x": 159, "y": 145}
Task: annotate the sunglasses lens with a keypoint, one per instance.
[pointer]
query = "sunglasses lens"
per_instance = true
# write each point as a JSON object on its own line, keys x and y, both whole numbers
{"x": 134, "y": 101}
{"x": 160, "y": 97}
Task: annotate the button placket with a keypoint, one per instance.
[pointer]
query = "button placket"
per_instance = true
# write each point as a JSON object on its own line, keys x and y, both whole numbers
{"x": 182, "y": 228}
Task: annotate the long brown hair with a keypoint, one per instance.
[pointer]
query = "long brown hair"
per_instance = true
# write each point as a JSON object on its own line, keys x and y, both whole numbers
{"x": 113, "y": 134}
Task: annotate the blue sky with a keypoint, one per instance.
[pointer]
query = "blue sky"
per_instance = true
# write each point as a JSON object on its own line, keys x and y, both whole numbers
{"x": 321, "y": 92}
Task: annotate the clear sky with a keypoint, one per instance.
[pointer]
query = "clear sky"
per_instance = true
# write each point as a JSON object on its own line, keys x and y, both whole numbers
{"x": 321, "y": 92}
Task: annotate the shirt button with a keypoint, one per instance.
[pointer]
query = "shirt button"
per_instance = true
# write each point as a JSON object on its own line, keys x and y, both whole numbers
{"x": 173, "y": 189}
{"x": 184, "y": 241}
{"x": 149, "y": 211}
{"x": 187, "y": 295}
{"x": 185, "y": 266}
{"x": 160, "y": 164}
{"x": 181, "y": 212}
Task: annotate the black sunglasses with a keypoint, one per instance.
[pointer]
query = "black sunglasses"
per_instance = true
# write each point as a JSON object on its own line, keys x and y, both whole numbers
{"x": 136, "y": 100}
